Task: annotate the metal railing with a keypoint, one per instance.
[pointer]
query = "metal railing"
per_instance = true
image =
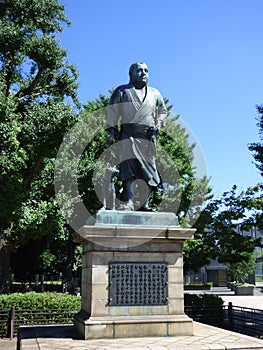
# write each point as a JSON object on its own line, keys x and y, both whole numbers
{"x": 10, "y": 321}
{"x": 4, "y": 322}
{"x": 245, "y": 320}
{"x": 213, "y": 315}
{"x": 235, "y": 318}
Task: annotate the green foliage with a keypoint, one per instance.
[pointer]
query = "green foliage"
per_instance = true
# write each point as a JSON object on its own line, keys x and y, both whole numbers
{"x": 39, "y": 301}
{"x": 33, "y": 115}
{"x": 175, "y": 158}
{"x": 255, "y": 200}
{"x": 232, "y": 246}
{"x": 217, "y": 231}
{"x": 240, "y": 271}
{"x": 202, "y": 300}
{"x": 193, "y": 286}
{"x": 38, "y": 105}
{"x": 47, "y": 259}
{"x": 40, "y": 308}
{"x": 217, "y": 234}
{"x": 198, "y": 251}
{"x": 257, "y": 147}
{"x": 206, "y": 308}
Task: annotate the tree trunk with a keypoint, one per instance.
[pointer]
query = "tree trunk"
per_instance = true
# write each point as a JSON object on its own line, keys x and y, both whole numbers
{"x": 68, "y": 273}
{"x": 5, "y": 271}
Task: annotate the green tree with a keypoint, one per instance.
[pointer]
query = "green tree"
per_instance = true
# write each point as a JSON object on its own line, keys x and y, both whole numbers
{"x": 216, "y": 234}
{"x": 189, "y": 191}
{"x": 257, "y": 150}
{"x": 222, "y": 228}
{"x": 257, "y": 147}
{"x": 38, "y": 104}
{"x": 240, "y": 271}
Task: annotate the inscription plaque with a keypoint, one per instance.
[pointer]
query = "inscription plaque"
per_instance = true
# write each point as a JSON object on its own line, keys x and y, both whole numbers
{"x": 138, "y": 284}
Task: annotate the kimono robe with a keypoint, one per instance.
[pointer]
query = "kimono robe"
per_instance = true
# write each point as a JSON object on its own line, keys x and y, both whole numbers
{"x": 139, "y": 121}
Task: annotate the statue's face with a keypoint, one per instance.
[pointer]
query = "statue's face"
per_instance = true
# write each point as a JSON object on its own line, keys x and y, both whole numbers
{"x": 140, "y": 75}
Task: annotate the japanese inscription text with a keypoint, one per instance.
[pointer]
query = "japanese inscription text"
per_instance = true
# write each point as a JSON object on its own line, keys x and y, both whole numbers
{"x": 138, "y": 284}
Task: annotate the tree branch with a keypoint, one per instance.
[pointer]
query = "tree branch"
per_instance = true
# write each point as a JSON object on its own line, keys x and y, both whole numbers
{"x": 35, "y": 169}
{"x": 32, "y": 86}
{"x": 7, "y": 63}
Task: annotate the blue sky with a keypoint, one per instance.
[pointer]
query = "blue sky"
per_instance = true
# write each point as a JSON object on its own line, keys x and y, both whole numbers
{"x": 205, "y": 56}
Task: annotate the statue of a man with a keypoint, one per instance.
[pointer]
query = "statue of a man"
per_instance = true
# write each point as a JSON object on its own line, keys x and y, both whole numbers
{"x": 141, "y": 112}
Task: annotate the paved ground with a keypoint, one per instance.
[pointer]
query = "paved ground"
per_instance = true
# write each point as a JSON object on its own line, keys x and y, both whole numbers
{"x": 253, "y": 302}
{"x": 6, "y": 344}
{"x": 205, "y": 337}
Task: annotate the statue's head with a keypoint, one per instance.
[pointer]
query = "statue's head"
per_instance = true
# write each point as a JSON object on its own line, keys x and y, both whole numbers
{"x": 139, "y": 74}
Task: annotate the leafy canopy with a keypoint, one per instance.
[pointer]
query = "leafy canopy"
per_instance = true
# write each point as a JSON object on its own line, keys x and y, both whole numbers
{"x": 221, "y": 231}
{"x": 257, "y": 147}
{"x": 38, "y": 104}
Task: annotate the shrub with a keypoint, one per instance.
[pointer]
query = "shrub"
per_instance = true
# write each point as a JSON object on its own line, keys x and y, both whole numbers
{"x": 200, "y": 286}
{"x": 38, "y": 308}
{"x": 205, "y": 308}
{"x": 39, "y": 301}
{"x": 202, "y": 300}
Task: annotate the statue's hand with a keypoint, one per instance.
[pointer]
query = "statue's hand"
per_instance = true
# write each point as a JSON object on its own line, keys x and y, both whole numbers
{"x": 158, "y": 128}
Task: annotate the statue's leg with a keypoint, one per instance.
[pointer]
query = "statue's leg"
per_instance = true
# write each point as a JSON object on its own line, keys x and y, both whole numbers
{"x": 128, "y": 186}
{"x": 144, "y": 200}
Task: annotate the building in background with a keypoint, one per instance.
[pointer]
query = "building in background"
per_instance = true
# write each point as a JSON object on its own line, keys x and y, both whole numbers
{"x": 216, "y": 272}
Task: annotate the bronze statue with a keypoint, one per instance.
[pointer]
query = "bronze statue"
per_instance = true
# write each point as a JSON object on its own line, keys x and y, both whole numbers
{"x": 141, "y": 112}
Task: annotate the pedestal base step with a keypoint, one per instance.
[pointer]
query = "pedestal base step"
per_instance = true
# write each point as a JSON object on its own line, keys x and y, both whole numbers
{"x": 133, "y": 326}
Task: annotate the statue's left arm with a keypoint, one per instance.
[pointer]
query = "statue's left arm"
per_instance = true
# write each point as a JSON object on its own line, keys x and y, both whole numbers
{"x": 114, "y": 113}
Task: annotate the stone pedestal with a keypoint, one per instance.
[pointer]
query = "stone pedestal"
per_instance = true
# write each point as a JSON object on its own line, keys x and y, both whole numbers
{"x": 132, "y": 281}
